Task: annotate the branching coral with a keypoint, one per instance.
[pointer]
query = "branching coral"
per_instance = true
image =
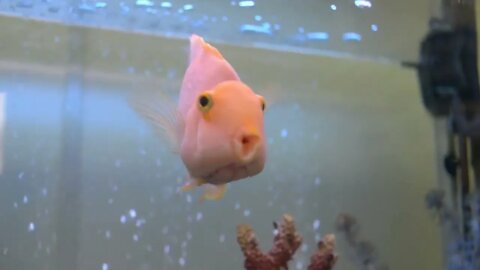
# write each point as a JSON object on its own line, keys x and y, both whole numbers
{"x": 285, "y": 244}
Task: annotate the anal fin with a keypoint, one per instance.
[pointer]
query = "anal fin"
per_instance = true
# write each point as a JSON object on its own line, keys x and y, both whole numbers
{"x": 192, "y": 183}
{"x": 213, "y": 192}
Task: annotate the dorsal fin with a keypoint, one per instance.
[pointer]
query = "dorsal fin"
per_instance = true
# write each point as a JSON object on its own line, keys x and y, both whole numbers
{"x": 207, "y": 68}
{"x": 199, "y": 46}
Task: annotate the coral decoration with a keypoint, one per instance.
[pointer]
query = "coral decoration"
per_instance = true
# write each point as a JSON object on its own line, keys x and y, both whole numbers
{"x": 285, "y": 244}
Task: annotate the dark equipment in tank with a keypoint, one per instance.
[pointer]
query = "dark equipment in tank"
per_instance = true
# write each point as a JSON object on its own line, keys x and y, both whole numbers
{"x": 448, "y": 78}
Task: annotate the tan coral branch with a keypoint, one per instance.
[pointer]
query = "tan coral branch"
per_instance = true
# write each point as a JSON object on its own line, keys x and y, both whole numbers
{"x": 255, "y": 259}
{"x": 324, "y": 258}
{"x": 285, "y": 243}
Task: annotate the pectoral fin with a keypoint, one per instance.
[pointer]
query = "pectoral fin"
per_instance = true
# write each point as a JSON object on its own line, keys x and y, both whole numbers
{"x": 160, "y": 111}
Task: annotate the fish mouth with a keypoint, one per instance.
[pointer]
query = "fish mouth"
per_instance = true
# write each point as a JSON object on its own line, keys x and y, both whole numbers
{"x": 228, "y": 173}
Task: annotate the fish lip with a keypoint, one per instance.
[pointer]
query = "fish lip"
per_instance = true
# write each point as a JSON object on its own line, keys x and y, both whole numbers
{"x": 235, "y": 166}
{"x": 246, "y": 159}
{"x": 216, "y": 170}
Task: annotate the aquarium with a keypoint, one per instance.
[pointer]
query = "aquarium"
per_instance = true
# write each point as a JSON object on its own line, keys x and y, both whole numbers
{"x": 354, "y": 157}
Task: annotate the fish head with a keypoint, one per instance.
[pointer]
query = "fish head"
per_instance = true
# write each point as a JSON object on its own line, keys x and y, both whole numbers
{"x": 224, "y": 138}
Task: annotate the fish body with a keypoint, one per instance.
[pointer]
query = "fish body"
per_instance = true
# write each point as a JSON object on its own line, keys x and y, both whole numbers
{"x": 219, "y": 125}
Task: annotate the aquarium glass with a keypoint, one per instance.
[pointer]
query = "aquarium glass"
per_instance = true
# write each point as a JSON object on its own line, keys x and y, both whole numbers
{"x": 86, "y": 183}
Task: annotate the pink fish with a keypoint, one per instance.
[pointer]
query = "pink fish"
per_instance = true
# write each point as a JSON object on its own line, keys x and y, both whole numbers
{"x": 218, "y": 124}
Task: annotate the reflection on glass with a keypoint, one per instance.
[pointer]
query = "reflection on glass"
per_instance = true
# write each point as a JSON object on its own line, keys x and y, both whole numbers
{"x": 351, "y": 36}
{"x": 363, "y": 3}
{"x": 246, "y": 3}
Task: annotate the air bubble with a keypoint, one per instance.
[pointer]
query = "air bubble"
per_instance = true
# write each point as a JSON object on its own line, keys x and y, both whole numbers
{"x": 181, "y": 261}
{"x": 123, "y": 219}
{"x": 31, "y": 227}
{"x": 132, "y": 213}
{"x": 316, "y": 224}
{"x": 140, "y": 222}
{"x": 118, "y": 163}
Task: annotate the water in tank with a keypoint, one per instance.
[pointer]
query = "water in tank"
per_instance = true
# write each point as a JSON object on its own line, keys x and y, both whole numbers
{"x": 235, "y": 134}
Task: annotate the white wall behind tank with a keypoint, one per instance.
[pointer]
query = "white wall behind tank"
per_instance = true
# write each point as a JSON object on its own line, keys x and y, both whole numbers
{"x": 344, "y": 136}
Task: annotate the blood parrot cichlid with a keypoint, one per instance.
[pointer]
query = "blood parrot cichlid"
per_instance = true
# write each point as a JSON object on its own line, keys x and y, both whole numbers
{"x": 217, "y": 126}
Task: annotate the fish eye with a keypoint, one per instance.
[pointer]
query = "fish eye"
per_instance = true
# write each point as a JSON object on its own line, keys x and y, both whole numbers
{"x": 205, "y": 102}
